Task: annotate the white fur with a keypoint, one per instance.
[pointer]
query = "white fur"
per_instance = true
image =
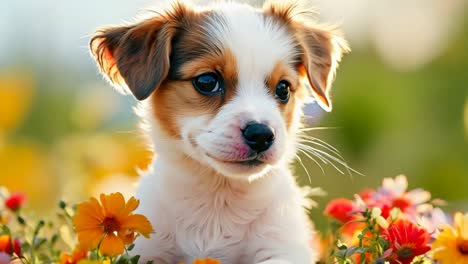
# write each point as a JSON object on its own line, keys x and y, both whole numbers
{"x": 203, "y": 207}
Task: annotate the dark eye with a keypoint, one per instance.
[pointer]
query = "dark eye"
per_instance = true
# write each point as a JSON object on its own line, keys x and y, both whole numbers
{"x": 208, "y": 83}
{"x": 282, "y": 91}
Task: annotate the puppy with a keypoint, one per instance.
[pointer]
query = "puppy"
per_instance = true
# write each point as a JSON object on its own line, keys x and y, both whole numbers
{"x": 222, "y": 88}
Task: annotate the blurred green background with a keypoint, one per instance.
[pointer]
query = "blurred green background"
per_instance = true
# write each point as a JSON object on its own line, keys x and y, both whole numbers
{"x": 400, "y": 101}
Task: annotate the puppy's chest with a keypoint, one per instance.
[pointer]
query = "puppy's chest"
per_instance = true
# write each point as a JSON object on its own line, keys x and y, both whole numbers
{"x": 215, "y": 224}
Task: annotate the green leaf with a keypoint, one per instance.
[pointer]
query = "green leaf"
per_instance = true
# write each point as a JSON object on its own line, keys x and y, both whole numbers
{"x": 134, "y": 259}
{"x": 62, "y": 204}
{"x": 38, "y": 228}
{"x": 342, "y": 247}
{"x": 21, "y": 220}
{"x": 354, "y": 250}
{"x": 54, "y": 239}
{"x": 130, "y": 247}
{"x": 38, "y": 242}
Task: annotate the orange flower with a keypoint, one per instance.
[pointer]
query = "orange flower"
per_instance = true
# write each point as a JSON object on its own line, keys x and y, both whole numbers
{"x": 109, "y": 225}
{"x": 406, "y": 240}
{"x": 207, "y": 261}
{"x": 78, "y": 254}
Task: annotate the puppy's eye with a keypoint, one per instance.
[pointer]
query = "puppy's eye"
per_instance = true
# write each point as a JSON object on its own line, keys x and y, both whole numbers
{"x": 282, "y": 92}
{"x": 208, "y": 83}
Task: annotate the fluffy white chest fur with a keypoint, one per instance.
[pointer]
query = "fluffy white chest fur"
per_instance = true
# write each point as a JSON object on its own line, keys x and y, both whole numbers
{"x": 197, "y": 216}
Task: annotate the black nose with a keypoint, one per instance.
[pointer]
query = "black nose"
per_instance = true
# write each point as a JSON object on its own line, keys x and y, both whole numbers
{"x": 259, "y": 137}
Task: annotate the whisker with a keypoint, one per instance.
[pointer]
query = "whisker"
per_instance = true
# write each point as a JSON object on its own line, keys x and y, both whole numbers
{"x": 327, "y": 156}
{"x": 307, "y": 148}
{"x": 315, "y": 161}
{"x": 323, "y": 146}
{"x": 338, "y": 159}
{"x": 341, "y": 161}
{"x": 304, "y": 167}
{"x": 319, "y": 140}
{"x": 306, "y": 129}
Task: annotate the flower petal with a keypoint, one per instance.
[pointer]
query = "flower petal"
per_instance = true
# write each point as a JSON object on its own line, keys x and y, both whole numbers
{"x": 127, "y": 236}
{"x": 137, "y": 222}
{"x": 113, "y": 203}
{"x": 89, "y": 239}
{"x": 419, "y": 196}
{"x": 112, "y": 245}
{"x": 88, "y": 215}
{"x": 461, "y": 225}
{"x": 131, "y": 205}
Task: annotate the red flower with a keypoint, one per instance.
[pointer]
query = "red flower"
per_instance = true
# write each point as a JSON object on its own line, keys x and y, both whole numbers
{"x": 8, "y": 247}
{"x": 406, "y": 240}
{"x": 341, "y": 209}
{"x": 15, "y": 201}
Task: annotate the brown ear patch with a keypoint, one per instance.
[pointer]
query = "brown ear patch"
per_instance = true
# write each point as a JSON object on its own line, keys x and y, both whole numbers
{"x": 137, "y": 56}
{"x": 321, "y": 47}
{"x": 322, "y": 51}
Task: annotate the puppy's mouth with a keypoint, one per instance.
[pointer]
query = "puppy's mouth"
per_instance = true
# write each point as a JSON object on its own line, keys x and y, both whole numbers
{"x": 252, "y": 161}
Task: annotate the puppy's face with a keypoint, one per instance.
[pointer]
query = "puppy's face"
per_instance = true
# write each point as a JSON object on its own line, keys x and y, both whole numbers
{"x": 225, "y": 83}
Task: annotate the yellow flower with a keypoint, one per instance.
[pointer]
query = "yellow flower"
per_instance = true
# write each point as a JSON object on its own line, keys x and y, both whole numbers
{"x": 451, "y": 245}
{"x": 109, "y": 225}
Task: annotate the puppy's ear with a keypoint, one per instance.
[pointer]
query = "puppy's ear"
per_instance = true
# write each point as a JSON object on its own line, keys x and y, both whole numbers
{"x": 136, "y": 57}
{"x": 322, "y": 51}
{"x": 321, "y": 48}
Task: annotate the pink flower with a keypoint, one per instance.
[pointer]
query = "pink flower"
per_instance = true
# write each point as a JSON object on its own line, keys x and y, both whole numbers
{"x": 394, "y": 194}
{"x": 433, "y": 221}
{"x": 15, "y": 201}
{"x": 4, "y": 258}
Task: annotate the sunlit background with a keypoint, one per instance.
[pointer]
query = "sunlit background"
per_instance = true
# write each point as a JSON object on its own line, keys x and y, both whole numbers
{"x": 400, "y": 101}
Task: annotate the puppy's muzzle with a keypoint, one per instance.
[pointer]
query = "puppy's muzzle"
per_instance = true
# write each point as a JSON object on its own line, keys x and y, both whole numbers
{"x": 259, "y": 137}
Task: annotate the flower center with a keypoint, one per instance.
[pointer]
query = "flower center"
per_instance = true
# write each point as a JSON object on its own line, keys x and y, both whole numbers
{"x": 463, "y": 246}
{"x": 405, "y": 253}
{"x": 110, "y": 225}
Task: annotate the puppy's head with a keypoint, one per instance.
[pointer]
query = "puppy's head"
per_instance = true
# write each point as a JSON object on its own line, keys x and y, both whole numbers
{"x": 226, "y": 82}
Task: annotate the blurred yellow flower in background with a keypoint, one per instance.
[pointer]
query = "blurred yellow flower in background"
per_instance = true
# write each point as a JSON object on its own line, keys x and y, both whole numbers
{"x": 25, "y": 166}
{"x": 16, "y": 91}
{"x": 109, "y": 225}
{"x": 90, "y": 164}
{"x": 451, "y": 245}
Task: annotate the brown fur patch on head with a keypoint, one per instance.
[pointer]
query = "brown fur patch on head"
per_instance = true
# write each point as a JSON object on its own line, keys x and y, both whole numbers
{"x": 322, "y": 47}
{"x": 178, "y": 98}
{"x": 283, "y": 71}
